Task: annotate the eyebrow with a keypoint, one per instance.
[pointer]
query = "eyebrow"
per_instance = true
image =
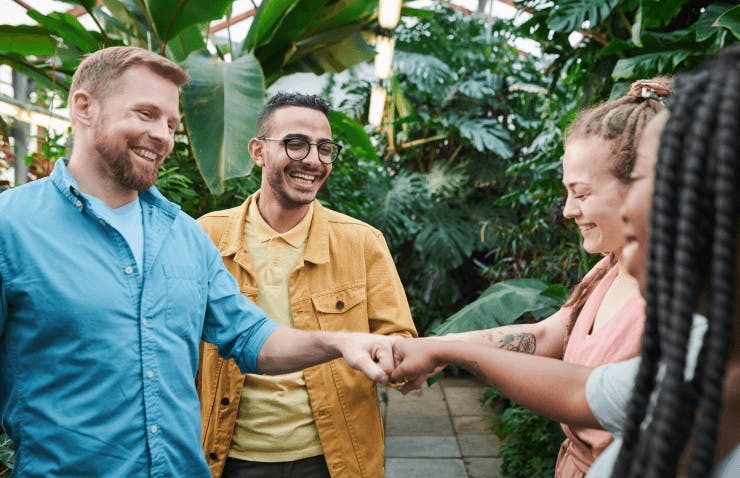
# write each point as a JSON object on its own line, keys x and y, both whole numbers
{"x": 304, "y": 137}
{"x": 158, "y": 110}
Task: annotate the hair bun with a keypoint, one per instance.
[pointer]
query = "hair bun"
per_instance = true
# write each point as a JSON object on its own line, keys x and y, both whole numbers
{"x": 653, "y": 89}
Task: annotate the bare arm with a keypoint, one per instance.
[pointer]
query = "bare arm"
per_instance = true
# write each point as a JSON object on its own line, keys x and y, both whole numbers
{"x": 548, "y": 387}
{"x": 545, "y": 338}
{"x": 288, "y": 350}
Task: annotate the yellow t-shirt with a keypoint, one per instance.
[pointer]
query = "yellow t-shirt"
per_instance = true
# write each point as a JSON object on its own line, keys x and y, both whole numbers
{"x": 275, "y": 422}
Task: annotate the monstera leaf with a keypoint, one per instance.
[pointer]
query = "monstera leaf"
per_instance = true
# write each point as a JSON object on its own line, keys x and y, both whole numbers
{"x": 221, "y": 104}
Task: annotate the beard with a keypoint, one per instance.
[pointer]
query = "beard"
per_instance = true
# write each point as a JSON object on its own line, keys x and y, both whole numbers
{"x": 126, "y": 172}
{"x": 287, "y": 198}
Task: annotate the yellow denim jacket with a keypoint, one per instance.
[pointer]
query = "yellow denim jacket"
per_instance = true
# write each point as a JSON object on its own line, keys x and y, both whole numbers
{"x": 346, "y": 281}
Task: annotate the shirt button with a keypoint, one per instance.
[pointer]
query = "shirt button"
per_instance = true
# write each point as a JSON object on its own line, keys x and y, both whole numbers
{"x": 340, "y": 305}
{"x": 144, "y": 322}
{"x": 128, "y": 270}
{"x": 150, "y": 374}
{"x": 78, "y": 203}
{"x": 225, "y": 401}
{"x": 212, "y": 456}
{"x": 153, "y": 429}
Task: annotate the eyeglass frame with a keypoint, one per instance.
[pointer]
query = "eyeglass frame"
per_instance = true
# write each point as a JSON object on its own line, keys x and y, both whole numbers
{"x": 285, "y": 142}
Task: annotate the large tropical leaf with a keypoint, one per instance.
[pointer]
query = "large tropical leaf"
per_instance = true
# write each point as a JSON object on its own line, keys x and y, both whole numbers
{"x": 69, "y": 29}
{"x": 649, "y": 64}
{"x": 731, "y": 20}
{"x": 569, "y": 15}
{"x": 487, "y": 134}
{"x": 221, "y": 104}
{"x": 709, "y": 21}
{"x": 348, "y": 131}
{"x": 502, "y": 304}
{"x": 331, "y": 51}
{"x": 171, "y": 17}
{"x": 186, "y": 42}
{"x": 446, "y": 238}
{"x": 26, "y": 40}
{"x": 289, "y": 37}
{"x": 428, "y": 73}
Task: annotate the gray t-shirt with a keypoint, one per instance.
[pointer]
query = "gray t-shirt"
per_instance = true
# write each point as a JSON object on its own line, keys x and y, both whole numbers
{"x": 608, "y": 391}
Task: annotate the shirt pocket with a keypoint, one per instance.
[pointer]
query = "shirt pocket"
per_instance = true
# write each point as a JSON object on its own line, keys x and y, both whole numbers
{"x": 186, "y": 301}
{"x": 343, "y": 309}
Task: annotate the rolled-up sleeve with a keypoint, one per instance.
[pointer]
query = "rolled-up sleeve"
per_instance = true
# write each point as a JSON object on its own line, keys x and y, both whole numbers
{"x": 233, "y": 323}
{"x": 608, "y": 391}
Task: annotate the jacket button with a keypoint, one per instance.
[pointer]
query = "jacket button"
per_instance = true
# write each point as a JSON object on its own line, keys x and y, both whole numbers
{"x": 212, "y": 456}
{"x": 340, "y": 305}
{"x": 225, "y": 401}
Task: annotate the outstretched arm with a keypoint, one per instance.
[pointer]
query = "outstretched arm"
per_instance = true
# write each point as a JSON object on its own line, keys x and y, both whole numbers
{"x": 288, "y": 350}
{"x": 549, "y": 387}
{"x": 545, "y": 338}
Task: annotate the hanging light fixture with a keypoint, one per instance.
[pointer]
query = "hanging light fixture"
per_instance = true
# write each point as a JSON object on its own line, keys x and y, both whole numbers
{"x": 377, "y": 105}
{"x": 384, "y": 46}
{"x": 389, "y": 13}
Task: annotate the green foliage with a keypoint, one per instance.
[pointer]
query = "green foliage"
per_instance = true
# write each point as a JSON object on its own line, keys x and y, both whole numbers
{"x": 504, "y": 303}
{"x": 529, "y": 443}
{"x": 7, "y": 458}
{"x": 224, "y": 97}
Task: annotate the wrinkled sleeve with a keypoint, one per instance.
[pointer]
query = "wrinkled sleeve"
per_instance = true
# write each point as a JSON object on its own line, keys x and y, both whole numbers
{"x": 388, "y": 308}
{"x": 233, "y": 323}
{"x": 608, "y": 391}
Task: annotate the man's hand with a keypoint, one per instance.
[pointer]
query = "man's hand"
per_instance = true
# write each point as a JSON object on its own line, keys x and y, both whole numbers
{"x": 415, "y": 360}
{"x": 369, "y": 353}
{"x": 288, "y": 350}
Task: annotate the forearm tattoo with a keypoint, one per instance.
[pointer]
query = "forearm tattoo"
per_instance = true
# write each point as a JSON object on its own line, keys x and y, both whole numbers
{"x": 523, "y": 342}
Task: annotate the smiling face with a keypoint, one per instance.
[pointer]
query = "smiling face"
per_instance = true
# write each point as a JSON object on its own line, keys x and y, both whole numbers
{"x": 292, "y": 184}
{"x": 134, "y": 128}
{"x": 636, "y": 209}
{"x": 594, "y": 194}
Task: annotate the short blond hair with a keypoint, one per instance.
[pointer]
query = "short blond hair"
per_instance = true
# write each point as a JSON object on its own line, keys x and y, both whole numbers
{"x": 99, "y": 72}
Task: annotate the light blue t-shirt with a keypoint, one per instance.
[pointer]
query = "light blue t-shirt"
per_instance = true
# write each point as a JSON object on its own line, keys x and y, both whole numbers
{"x": 609, "y": 389}
{"x": 126, "y": 220}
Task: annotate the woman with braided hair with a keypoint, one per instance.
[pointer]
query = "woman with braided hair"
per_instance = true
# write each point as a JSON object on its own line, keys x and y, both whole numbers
{"x": 687, "y": 380}
{"x": 602, "y": 322}
{"x": 693, "y": 266}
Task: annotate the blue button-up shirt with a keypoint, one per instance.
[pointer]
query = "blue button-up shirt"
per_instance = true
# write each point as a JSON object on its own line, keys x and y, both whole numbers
{"x": 97, "y": 357}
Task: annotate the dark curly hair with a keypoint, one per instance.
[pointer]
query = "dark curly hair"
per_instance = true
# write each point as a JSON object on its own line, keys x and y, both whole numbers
{"x": 692, "y": 258}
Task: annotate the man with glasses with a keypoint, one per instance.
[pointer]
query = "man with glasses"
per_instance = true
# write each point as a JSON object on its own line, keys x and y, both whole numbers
{"x": 309, "y": 268}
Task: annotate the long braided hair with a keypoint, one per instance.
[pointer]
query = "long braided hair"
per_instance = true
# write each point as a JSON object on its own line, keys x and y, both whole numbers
{"x": 620, "y": 123}
{"x": 692, "y": 256}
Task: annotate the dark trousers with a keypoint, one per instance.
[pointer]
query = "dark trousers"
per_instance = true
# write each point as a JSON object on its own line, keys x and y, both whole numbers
{"x": 313, "y": 467}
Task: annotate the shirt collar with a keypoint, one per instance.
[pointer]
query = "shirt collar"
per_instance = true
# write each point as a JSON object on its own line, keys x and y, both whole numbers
{"x": 317, "y": 240}
{"x": 264, "y": 232}
{"x": 67, "y": 185}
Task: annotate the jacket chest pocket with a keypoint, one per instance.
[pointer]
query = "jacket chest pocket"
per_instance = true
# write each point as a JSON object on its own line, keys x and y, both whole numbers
{"x": 344, "y": 309}
{"x": 186, "y": 301}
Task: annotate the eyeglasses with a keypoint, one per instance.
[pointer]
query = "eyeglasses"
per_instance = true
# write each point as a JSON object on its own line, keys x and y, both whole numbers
{"x": 297, "y": 149}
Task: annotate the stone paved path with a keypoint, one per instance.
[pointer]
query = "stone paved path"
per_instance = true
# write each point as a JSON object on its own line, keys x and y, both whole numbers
{"x": 439, "y": 432}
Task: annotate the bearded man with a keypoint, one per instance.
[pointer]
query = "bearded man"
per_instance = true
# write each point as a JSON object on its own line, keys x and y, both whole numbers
{"x": 107, "y": 288}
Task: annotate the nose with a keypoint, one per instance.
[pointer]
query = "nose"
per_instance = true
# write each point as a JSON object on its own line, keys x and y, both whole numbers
{"x": 160, "y": 132}
{"x": 571, "y": 209}
{"x": 313, "y": 156}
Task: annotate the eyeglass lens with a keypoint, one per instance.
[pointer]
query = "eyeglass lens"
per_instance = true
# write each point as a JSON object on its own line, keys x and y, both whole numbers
{"x": 298, "y": 149}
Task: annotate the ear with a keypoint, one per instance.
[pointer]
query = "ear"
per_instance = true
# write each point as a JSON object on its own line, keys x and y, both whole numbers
{"x": 257, "y": 151}
{"x": 82, "y": 107}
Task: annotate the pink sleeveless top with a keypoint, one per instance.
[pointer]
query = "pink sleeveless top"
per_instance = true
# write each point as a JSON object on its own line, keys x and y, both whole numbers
{"x": 616, "y": 340}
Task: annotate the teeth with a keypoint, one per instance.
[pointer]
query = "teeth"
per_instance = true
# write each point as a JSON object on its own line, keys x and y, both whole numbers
{"x": 305, "y": 177}
{"x": 144, "y": 153}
